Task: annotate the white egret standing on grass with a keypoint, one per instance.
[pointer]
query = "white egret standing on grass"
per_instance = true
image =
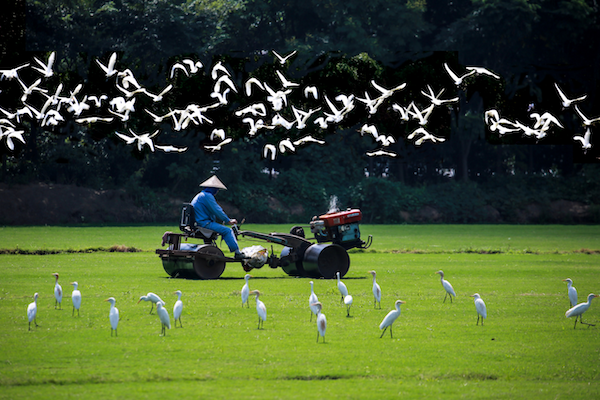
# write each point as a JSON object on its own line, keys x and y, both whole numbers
{"x": 76, "y": 298}
{"x": 572, "y": 292}
{"x": 177, "y": 308}
{"x": 163, "y": 315}
{"x": 321, "y": 321}
{"x": 113, "y": 315}
{"x": 32, "y": 311}
{"x": 152, "y": 298}
{"x": 246, "y": 291}
{"x": 348, "y": 303}
{"x": 480, "y": 307}
{"x": 58, "y": 293}
{"x": 341, "y": 287}
{"x": 389, "y": 319}
{"x": 261, "y": 309}
{"x": 312, "y": 300}
{"x": 447, "y": 286}
{"x": 376, "y": 290}
{"x": 579, "y": 309}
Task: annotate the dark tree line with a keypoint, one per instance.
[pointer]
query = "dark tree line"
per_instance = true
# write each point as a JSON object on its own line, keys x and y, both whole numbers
{"x": 341, "y": 46}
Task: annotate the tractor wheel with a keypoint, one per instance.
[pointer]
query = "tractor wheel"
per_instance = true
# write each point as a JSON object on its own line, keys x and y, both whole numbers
{"x": 207, "y": 263}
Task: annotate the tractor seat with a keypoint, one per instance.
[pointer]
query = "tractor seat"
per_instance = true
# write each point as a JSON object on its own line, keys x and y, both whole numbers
{"x": 188, "y": 225}
{"x": 205, "y": 233}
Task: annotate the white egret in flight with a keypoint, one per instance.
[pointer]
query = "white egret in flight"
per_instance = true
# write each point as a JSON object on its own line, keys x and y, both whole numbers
{"x": 565, "y": 101}
{"x": 458, "y": 80}
{"x": 283, "y": 59}
{"x": 46, "y": 68}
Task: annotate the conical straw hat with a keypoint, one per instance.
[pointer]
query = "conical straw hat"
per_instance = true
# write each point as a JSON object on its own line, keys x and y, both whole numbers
{"x": 213, "y": 182}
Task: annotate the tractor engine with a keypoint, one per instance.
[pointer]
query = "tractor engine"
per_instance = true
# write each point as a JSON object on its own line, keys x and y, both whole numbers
{"x": 340, "y": 228}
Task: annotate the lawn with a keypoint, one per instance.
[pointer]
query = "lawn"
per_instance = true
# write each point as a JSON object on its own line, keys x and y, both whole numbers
{"x": 526, "y": 349}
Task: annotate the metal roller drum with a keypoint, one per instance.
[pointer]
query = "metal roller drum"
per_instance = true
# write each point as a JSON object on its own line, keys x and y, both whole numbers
{"x": 324, "y": 260}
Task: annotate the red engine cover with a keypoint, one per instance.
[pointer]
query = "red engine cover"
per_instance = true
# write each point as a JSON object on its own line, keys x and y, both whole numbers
{"x": 341, "y": 218}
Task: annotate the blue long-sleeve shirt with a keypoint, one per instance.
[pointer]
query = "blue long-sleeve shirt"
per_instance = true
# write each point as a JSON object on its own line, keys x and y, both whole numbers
{"x": 207, "y": 210}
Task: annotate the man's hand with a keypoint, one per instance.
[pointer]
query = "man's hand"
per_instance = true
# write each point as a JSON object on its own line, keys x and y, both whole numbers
{"x": 233, "y": 222}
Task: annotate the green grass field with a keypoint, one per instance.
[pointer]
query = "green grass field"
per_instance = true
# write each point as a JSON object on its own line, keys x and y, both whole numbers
{"x": 526, "y": 349}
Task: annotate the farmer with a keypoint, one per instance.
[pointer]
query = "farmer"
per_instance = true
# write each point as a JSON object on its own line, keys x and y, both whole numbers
{"x": 208, "y": 212}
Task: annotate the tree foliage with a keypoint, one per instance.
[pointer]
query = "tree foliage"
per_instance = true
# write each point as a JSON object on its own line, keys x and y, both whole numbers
{"x": 341, "y": 45}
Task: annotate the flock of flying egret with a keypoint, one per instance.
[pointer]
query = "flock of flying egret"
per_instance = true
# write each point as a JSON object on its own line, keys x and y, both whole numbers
{"x": 267, "y": 109}
{"x": 315, "y": 306}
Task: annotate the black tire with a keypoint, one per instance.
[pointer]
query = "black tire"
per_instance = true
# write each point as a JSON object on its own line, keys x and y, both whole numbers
{"x": 205, "y": 265}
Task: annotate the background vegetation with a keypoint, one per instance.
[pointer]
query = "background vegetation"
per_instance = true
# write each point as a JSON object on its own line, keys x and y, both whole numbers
{"x": 341, "y": 45}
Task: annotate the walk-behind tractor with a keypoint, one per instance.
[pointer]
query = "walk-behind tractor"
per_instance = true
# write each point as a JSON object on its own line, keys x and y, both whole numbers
{"x": 325, "y": 255}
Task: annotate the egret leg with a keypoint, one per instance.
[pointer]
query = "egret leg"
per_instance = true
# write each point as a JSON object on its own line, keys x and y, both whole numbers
{"x": 585, "y": 323}
{"x": 450, "y": 298}
{"x": 391, "y": 333}
{"x": 311, "y": 313}
{"x": 477, "y": 320}
{"x": 347, "y": 311}
{"x": 317, "y": 336}
{"x": 382, "y": 333}
{"x": 445, "y": 297}
{"x": 151, "y": 308}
